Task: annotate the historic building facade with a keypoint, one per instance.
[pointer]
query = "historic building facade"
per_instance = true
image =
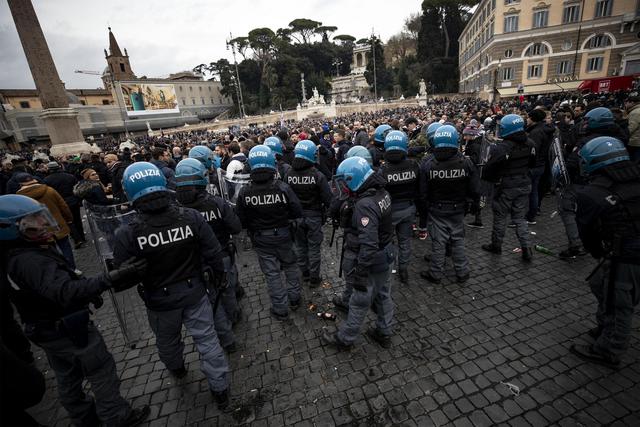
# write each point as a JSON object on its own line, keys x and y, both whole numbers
{"x": 543, "y": 46}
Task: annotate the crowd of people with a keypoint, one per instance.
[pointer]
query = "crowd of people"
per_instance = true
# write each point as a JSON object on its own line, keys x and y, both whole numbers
{"x": 382, "y": 177}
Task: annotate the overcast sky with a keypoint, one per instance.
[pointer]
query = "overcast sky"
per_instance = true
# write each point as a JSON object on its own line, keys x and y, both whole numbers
{"x": 164, "y": 36}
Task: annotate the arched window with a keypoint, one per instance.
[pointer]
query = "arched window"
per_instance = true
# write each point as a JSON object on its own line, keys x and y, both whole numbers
{"x": 536, "y": 49}
{"x": 598, "y": 41}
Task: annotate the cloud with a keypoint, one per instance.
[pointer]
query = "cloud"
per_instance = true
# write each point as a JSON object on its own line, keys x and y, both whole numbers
{"x": 164, "y": 36}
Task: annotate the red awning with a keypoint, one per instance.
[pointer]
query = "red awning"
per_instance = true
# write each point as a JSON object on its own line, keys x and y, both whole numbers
{"x": 607, "y": 84}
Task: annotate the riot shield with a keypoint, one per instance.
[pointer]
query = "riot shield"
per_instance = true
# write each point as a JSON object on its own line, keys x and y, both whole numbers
{"x": 559, "y": 174}
{"x": 230, "y": 186}
{"x": 103, "y": 222}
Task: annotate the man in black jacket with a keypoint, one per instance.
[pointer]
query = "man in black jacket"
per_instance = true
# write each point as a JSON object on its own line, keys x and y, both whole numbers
{"x": 63, "y": 182}
{"x": 541, "y": 134}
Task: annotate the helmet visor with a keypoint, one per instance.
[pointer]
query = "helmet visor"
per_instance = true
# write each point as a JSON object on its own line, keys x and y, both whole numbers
{"x": 38, "y": 227}
{"x": 339, "y": 187}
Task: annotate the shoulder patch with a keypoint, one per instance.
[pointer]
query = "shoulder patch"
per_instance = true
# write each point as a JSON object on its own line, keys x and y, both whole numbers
{"x": 364, "y": 221}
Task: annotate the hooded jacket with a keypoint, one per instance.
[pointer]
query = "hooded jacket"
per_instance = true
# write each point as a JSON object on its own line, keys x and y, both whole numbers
{"x": 541, "y": 134}
{"x": 54, "y": 202}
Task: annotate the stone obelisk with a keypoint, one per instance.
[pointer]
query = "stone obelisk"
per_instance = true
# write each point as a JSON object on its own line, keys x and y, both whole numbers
{"x": 60, "y": 120}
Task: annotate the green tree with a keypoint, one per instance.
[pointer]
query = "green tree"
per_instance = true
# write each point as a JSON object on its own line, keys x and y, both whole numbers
{"x": 344, "y": 39}
{"x": 325, "y": 31}
{"x": 303, "y": 29}
{"x": 383, "y": 77}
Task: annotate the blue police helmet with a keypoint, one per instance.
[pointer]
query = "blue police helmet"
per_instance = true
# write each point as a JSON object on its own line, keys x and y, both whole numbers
{"x": 203, "y": 154}
{"x": 396, "y": 140}
{"x": 261, "y": 156}
{"x": 306, "y": 150}
{"x": 353, "y": 171}
{"x": 380, "y": 134}
{"x": 602, "y": 151}
{"x": 275, "y": 144}
{"x": 142, "y": 178}
{"x": 191, "y": 172}
{"x": 359, "y": 151}
{"x": 431, "y": 130}
{"x": 446, "y": 137}
{"x": 14, "y": 207}
{"x": 598, "y": 118}
{"x": 511, "y": 123}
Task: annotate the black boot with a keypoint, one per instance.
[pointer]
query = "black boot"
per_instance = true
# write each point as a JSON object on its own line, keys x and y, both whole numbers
{"x": 340, "y": 305}
{"x": 221, "y": 398}
{"x": 329, "y": 339}
{"x": 377, "y": 336}
{"x": 590, "y": 354}
{"x": 494, "y": 249}
{"x": 239, "y": 292}
{"x": 181, "y": 372}
{"x": 527, "y": 254}
{"x": 427, "y": 276}
{"x": 136, "y": 416}
{"x": 404, "y": 275}
{"x": 595, "y": 332}
{"x": 314, "y": 282}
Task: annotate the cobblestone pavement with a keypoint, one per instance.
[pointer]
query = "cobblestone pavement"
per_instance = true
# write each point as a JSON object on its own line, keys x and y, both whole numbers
{"x": 456, "y": 350}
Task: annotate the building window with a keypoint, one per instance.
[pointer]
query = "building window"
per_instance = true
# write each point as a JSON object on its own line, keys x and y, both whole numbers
{"x": 190, "y": 89}
{"x": 193, "y": 101}
{"x": 200, "y": 88}
{"x": 536, "y": 49}
{"x": 184, "y": 102}
{"x": 565, "y": 67}
{"x": 508, "y": 2}
{"x": 25, "y": 104}
{"x": 202, "y": 101}
{"x": 534, "y": 71}
{"x": 594, "y": 64}
{"x": 83, "y": 102}
{"x": 507, "y": 73}
{"x": 508, "y": 53}
{"x": 603, "y": 8}
{"x": 598, "y": 41}
{"x": 179, "y": 88}
{"x": 212, "y": 99}
{"x": 106, "y": 102}
{"x": 511, "y": 23}
{"x": 540, "y": 18}
{"x": 209, "y": 88}
{"x": 122, "y": 67}
{"x": 571, "y": 13}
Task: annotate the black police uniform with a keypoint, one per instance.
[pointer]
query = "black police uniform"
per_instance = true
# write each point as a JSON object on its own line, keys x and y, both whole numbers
{"x": 178, "y": 244}
{"x": 608, "y": 218}
{"x": 314, "y": 194}
{"x": 53, "y": 304}
{"x": 265, "y": 208}
{"x": 402, "y": 176}
{"x": 448, "y": 187}
{"x": 368, "y": 253}
{"x": 508, "y": 166}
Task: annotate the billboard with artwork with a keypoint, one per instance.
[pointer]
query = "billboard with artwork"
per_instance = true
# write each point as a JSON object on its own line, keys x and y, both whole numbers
{"x": 149, "y": 98}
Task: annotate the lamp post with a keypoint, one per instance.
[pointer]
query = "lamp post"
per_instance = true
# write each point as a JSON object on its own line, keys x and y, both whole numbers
{"x": 337, "y": 63}
{"x": 375, "y": 79}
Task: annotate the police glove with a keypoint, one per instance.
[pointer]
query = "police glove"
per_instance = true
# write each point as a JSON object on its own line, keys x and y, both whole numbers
{"x": 129, "y": 274}
{"x": 219, "y": 279}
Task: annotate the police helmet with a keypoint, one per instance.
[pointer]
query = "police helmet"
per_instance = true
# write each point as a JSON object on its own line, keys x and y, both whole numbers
{"x": 353, "y": 172}
{"x": 431, "y": 130}
{"x": 142, "y": 178}
{"x": 25, "y": 218}
{"x": 396, "y": 140}
{"x": 306, "y": 150}
{"x": 380, "y": 134}
{"x": 191, "y": 172}
{"x": 446, "y": 137}
{"x": 261, "y": 156}
{"x": 598, "y": 118}
{"x": 602, "y": 151}
{"x": 275, "y": 144}
{"x": 203, "y": 154}
{"x": 510, "y": 124}
{"x": 359, "y": 151}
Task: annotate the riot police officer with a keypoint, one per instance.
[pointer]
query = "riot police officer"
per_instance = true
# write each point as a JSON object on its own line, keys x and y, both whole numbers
{"x": 53, "y": 304}
{"x": 508, "y": 165}
{"x": 265, "y": 208}
{"x": 313, "y": 191}
{"x": 431, "y": 131}
{"x": 597, "y": 122}
{"x": 401, "y": 174}
{"x": 377, "y": 148}
{"x": 608, "y": 217}
{"x": 209, "y": 160}
{"x": 191, "y": 184}
{"x": 448, "y": 186}
{"x": 359, "y": 151}
{"x": 277, "y": 147}
{"x": 181, "y": 246}
{"x": 368, "y": 252}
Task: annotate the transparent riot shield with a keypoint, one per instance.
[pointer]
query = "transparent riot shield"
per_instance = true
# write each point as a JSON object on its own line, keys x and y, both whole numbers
{"x": 103, "y": 222}
{"x": 230, "y": 186}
